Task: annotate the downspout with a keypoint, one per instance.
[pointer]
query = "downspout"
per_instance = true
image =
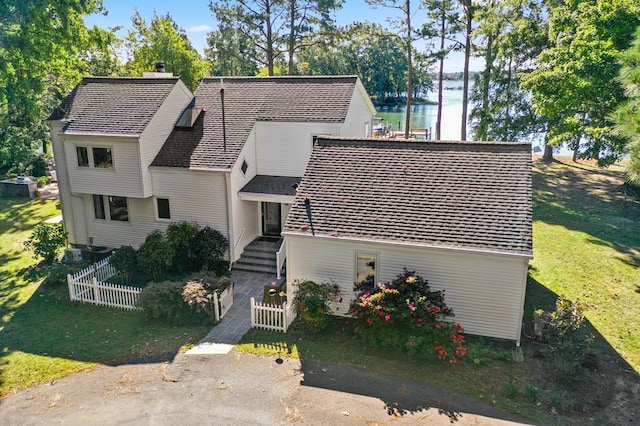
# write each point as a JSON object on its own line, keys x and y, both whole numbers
{"x": 232, "y": 249}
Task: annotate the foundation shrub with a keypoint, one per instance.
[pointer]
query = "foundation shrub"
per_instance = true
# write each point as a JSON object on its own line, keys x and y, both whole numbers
{"x": 155, "y": 256}
{"x": 181, "y": 235}
{"x": 312, "y": 304}
{"x": 209, "y": 248}
{"x": 407, "y": 314}
{"x": 125, "y": 260}
{"x": 189, "y": 301}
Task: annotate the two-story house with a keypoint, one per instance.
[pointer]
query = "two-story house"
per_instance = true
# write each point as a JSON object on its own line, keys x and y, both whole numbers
{"x": 134, "y": 154}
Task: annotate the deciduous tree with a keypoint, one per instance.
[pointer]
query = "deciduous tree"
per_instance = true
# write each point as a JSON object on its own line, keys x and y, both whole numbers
{"x": 41, "y": 46}
{"x": 574, "y": 85}
{"x": 163, "y": 40}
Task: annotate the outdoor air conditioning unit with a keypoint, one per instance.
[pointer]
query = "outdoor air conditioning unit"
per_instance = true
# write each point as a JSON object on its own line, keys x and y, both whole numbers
{"x": 73, "y": 255}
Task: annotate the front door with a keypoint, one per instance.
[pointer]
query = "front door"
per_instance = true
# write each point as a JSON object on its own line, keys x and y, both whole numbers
{"x": 271, "y": 219}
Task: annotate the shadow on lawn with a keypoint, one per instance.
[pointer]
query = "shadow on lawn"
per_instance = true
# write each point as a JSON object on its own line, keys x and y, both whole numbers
{"x": 591, "y": 202}
{"x": 401, "y": 396}
{"x": 608, "y": 393}
{"x": 540, "y": 297}
{"x": 49, "y": 325}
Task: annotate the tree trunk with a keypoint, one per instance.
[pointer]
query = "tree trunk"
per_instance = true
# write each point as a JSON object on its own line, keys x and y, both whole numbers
{"x": 291, "y": 43}
{"x": 440, "y": 79}
{"x": 548, "y": 149}
{"x": 467, "y": 55}
{"x": 407, "y": 125}
{"x": 507, "y": 118}
{"x": 483, "y": 126}
{"x": 268, "y": 24}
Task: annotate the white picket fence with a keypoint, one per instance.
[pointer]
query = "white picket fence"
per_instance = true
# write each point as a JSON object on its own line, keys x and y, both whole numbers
{"x": 271, "y": 317}
{"x": 223, "y": 302}
{"x": 90, "y": 286}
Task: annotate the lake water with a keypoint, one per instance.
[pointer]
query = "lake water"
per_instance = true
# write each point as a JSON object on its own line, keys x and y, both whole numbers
{"x": 424, "y": 116}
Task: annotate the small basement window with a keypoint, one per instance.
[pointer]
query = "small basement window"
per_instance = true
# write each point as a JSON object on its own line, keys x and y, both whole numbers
{"x": 162, "y": 205}
{"x": 366, "y": 269}
{"x": 83, "y": 156}
{"x": 102, "y": 158}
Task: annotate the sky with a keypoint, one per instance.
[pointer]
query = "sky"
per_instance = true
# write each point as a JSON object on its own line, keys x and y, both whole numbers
{"x": 197, "y": 20}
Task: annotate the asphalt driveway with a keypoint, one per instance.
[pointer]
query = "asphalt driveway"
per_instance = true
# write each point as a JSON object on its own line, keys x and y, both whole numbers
{"x": 241, "y": 389}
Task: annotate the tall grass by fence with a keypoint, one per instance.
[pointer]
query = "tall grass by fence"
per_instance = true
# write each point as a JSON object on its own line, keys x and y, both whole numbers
{"x": 90, "y": 286}
{"x": 271, "y": 317}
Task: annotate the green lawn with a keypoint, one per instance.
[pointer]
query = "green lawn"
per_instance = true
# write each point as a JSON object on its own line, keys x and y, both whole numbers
{"x": 587, "y": 248}
{"x": 586, "y": 243}
{"x": 43, "y": 336}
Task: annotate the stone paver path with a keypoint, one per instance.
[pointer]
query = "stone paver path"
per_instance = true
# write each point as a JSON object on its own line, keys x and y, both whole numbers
{"x": 237, "y": 321}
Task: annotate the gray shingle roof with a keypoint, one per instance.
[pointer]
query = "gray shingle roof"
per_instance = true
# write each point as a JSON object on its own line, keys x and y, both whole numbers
{"x": 277, "y": 185}
{"x": 248, "y": 100}
{"x": 467, "y": 195}
{"x": 113, "y": 105}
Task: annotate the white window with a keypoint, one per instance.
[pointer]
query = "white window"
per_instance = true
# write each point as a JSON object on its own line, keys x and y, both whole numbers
{"x": 98, "y": 207}
{"x": 102, "y": 158}
{"x": 366, "y": 269}
{"x": 83, "y": 156}
{"x": 118, "y": 209}
{"x": 162, "y": 209}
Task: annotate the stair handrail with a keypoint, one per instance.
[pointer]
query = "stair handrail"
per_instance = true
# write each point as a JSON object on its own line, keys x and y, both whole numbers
{"x": 281, "y": 255}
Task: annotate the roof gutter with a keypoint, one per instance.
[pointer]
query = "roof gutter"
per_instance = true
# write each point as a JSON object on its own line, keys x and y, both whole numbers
{"x": 119, "y": 135}
{"x": 191, "y": 169}
{"x": 411, "y": 244}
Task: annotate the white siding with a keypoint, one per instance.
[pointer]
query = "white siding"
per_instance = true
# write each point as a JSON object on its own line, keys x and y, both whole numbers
{"x": 193, "y": 196}
{"x": 198, "y": 196}
{"x": 244, "y": 213}
{"x": 72, "y": 208}
{"x": 283, "y": 149}
{"x": 485, "y": 291}
{"x": 124, "y": 179}
{"x": 159, "y": 128}
{"x": 361, "y": 112}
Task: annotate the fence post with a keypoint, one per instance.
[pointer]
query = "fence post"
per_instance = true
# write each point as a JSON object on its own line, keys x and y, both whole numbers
{"x": 72, "y": 294}
{"x": 216, "y": 306}
{"x": 285, "y": 317}
{"x": 253, "y": 312}
{"x": 96, "y": 291}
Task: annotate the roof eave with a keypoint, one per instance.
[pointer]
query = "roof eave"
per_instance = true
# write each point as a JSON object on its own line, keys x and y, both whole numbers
{"x": 97, "y": 134}
{"x": 521, "y": 255}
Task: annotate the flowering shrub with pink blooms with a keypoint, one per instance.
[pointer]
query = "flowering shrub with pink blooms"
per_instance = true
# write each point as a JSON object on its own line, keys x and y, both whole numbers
{"x": 406, "y": 313}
